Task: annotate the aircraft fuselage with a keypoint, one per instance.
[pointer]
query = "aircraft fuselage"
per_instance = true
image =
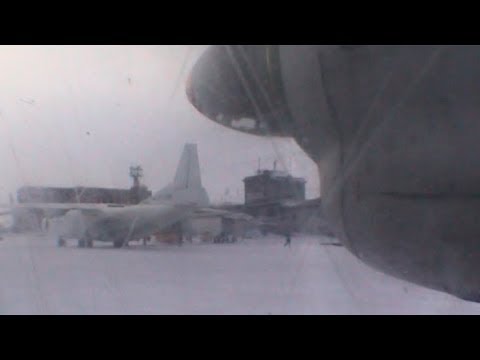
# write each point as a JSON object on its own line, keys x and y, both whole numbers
{"x": 120, "y": 225}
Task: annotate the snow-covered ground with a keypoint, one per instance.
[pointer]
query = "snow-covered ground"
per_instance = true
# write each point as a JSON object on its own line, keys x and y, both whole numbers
{"x": 251, "y": 277}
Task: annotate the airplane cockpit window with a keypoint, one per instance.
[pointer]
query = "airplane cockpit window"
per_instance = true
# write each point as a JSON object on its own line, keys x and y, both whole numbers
{"x": 240, "y": 179}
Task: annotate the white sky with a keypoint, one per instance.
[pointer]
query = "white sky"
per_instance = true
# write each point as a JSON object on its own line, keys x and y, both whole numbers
{"x": 81, "y": 115}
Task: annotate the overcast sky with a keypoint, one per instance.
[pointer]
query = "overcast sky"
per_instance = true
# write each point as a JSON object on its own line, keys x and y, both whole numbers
{"x": 81, "y": 115}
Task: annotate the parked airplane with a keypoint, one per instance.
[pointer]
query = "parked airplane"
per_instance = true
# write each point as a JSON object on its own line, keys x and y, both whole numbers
{"x": 183, "y": 198}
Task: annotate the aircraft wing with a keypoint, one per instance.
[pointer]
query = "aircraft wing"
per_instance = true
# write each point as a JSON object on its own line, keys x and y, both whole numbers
{"x": 54, "y": 209}
{"x": 220, "y": 212}
{"x": 209, "y": 211}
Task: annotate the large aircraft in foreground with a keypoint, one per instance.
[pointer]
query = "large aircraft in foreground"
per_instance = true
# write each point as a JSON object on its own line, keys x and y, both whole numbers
{"x": 395, "y": 131}
{"x": 184, "y": 198}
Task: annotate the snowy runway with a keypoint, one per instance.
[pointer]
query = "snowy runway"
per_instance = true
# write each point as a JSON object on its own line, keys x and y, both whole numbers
{"x": 252, "y": 277}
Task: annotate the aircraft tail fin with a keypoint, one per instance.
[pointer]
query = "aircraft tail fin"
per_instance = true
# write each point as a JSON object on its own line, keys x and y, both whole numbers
{"x": 187, "y": 185}
{"x": 188, "y": 170}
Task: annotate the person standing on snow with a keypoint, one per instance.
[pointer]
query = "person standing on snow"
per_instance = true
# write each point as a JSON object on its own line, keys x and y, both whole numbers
{"x": 288, "y": 239}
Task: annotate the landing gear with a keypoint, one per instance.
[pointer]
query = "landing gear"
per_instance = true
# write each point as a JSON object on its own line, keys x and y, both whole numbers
{"x": 117, "y": 244}
{"x": 85, "y": 243}
{"x": 146, "y": 240}
{"x": 61, "y": 242}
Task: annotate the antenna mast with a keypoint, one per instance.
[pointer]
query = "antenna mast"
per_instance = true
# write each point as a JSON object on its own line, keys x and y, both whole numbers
{"x": 136, "y": 173}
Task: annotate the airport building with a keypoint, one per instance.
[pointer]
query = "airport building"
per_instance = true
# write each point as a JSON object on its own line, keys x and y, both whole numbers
{"x": 279, "y": 200}
{"x": 83, "y": 195}
{"x": 273, "y": 186}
